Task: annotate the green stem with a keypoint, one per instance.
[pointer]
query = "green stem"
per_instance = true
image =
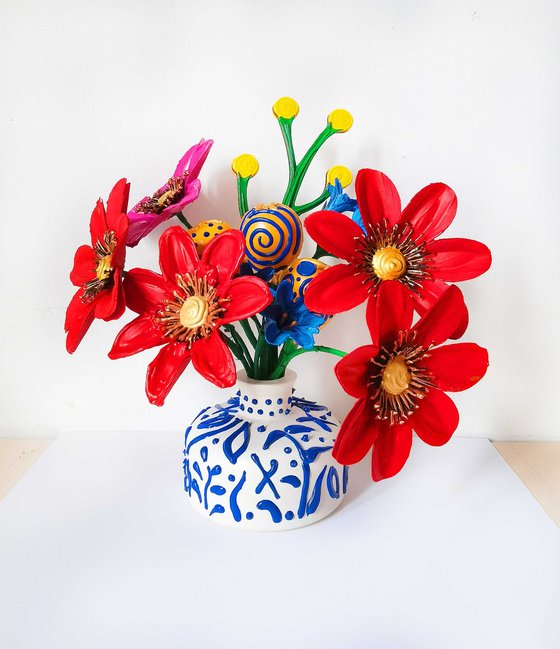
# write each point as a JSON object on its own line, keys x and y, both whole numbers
{"x": 242, "y": 203}
{"x": 285, "y": 359}
{"x": 244, "y": 352}
{"x": 303, "y": 165}
{"x": 302, "y": 209}
{"x": 286, "y": 128}
{"x": 321, "y": 252}
{"x": 183, "y": 220}
{"x": 249, "y": 332}
{"x": 238, "y": 354}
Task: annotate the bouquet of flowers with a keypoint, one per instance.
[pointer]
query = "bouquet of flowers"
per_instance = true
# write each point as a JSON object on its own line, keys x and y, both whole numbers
{"x": 228, "y": 293}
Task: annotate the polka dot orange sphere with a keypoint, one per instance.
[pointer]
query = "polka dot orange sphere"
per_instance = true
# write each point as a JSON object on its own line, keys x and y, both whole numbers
{"x": 202, "y": 233}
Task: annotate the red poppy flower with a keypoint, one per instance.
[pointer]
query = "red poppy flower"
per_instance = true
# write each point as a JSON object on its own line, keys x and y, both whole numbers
{"x": 400, "y": 380}
{"x": 98, "y": 268}
{"x": 396, "y": 246}
{"x": 184, "y": 307}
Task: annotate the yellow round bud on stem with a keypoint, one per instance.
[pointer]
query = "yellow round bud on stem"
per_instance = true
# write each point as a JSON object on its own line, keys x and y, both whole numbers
{"x": 341, "y": 120}
{"x": 285, "y": 107}
{"x": 343, "y": 174}
{"x": 245, "y": 165}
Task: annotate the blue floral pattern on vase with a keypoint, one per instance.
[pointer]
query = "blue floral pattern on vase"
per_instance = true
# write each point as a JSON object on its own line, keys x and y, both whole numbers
{"x": 263, "y": 461}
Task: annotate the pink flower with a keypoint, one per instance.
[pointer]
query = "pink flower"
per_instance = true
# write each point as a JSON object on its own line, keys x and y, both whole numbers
{"x": 180, "y": 190}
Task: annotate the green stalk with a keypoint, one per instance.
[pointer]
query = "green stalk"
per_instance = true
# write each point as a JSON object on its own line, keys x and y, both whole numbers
{"x": 303, "y": 165}
{"x": 249, "y": 332}
{"x": 236, "y": 351}
{"x": 183, "y": 220}
{"x": 286, "y": 128}
{"x": 242, "y": 347}
{"x": 302, "y": 209}
{"x": 242, "y": 202}
{"x": 285, "y": 359}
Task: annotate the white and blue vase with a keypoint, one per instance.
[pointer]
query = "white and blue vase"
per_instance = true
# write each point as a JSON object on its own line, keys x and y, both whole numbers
{"x": 262, "y": 461}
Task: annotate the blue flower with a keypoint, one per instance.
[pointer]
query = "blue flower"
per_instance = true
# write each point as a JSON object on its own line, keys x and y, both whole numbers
{"x": 288, "y": 317}
{"x": 340, "y": 201}
{"x": 265, "y": 273}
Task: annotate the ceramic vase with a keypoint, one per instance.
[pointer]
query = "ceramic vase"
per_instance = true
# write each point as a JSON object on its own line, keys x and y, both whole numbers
{"x": 262, "y": 460}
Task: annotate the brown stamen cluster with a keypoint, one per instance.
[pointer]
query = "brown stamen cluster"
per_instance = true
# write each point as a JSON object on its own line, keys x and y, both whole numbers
{"x": 193, "y": 311}
{"x": 103, "y": 268}
{"x": 392, "y": 253}
{"x": 164, "y": 197}
{"x": 398, "y": 380}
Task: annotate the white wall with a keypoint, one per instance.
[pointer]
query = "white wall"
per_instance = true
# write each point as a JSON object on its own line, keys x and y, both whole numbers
{"x": 462, "y": 92}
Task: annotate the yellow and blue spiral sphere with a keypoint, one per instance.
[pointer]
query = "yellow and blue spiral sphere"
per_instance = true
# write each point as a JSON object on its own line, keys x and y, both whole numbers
{"x": 273, "y": 236}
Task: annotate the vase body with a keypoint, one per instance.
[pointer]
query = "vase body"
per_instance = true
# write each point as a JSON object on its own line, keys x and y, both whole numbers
{"x": 262, "y": 460}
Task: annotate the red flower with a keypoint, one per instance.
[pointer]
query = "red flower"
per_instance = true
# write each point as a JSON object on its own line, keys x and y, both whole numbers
{"x": 396, "y": 246}
{"x": 184, "y": 307}
{"x": 98, "y": 268}
{"x": 400, "y": 380}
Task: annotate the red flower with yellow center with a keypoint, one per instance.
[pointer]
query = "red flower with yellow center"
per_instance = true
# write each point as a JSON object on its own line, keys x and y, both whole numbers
{"x": 184, "y": 308}
{"x": 396, "y": 246}
{"x": 400, "y": 380}
{"x": 98, "y": 268}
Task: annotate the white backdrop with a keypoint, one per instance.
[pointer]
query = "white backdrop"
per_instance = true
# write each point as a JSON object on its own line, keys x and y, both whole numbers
{"x": 461, "y": 92}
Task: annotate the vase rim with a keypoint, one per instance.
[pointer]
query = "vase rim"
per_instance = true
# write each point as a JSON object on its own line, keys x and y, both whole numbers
{"x": 289, "y": 377}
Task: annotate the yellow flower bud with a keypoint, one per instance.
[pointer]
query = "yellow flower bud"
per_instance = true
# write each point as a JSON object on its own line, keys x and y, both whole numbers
{"x": 343, "y": 174}
{"x": 340, "y": 120}
{"x": 285, "y": 107}
{"x": 245, "y": 165}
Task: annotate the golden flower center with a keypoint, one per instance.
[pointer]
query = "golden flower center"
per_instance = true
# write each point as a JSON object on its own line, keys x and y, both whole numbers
{"x": 104, "y": 268}
{"x": 194, "y": 312}
{"x": 396, "y": 376}
{"x": 389, "y": 263}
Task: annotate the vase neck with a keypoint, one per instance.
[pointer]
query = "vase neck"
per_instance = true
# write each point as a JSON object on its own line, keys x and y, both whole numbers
{"x": 265, "y": 399}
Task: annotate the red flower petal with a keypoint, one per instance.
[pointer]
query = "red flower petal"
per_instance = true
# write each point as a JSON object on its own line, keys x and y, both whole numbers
{"x": 225, "y": 253}
{"x": 356, "y": 435}
{"x": 442, "y": 320}
{"x": 457, "y": 367}
{"x": 378, "y": 198}
{"x": 140, "y": 334}
{"x": 338, "y": 288}
{"x": 110, "y": 303}
{"x": 117, "y": 204}
{"x": 429, "y": 295}
{"x": 247, "y": 295}
{"x": 431, "y": 211}
{"x": 455, "y": 260}
{"x": 213, "y": 360}
{"x": 177, "y": 254}
{"x": 122, "y": 234}
{"x": 84, "y": 266}
{"x": 334, "y": 232}
{"x": 389, "y": 311}
{"x": 144, "y": 290}
{"x": 97, "y": 223}
{"x": 391, "y": 450}
{"x": 164, "y": 371}
{"x": 436, "y": 419}
{"x": 352, "y": 370}
{"x": 79, "y": 316}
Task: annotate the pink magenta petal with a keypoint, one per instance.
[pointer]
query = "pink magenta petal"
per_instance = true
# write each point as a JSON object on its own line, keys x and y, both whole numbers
{"x": 194, "y": 158}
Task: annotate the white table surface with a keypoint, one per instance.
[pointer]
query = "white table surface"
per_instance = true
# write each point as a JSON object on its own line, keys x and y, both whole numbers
{"x": 99, "y": 549}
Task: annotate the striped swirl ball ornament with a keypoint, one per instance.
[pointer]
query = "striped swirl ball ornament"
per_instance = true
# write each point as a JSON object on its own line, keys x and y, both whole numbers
{"x": 273, "y": 236}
